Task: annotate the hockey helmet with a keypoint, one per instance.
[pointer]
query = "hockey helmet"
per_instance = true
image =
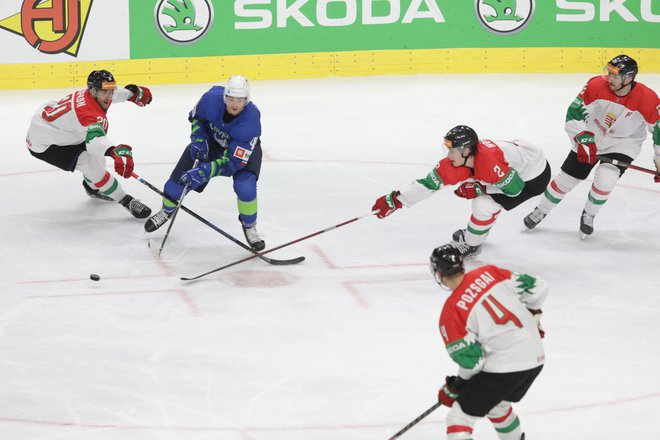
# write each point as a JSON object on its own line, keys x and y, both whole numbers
{"x": 462, "y": 137}
{"x": 622, "y": 65}
{"x": 237, "y": 87}
{"x": 101, "y": 80}
{"x": 446, "y": 261}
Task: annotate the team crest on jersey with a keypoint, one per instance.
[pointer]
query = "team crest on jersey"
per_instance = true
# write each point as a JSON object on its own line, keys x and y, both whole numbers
{"x": 242, "y": 154}
{"x": 610, "y": 119}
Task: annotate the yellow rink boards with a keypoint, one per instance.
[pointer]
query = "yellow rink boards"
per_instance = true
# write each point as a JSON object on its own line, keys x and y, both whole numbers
{"x": 325, "y": 64}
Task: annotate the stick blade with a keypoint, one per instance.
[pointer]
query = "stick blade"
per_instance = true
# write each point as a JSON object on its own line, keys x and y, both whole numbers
{"x": 154, "y": 247}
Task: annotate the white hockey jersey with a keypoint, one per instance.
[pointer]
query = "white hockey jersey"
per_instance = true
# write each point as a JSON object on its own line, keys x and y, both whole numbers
{"x": 486, "y": 325}
{"x": 620, "y": 124}
{"x": 72, "y": 120}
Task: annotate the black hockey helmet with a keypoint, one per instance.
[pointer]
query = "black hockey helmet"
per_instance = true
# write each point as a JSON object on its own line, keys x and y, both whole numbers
{"x": 446, "y": 261}
{"x": 101, "y": 80}
{"x": 462, "y": 137}
{"x": 623, "y": 65}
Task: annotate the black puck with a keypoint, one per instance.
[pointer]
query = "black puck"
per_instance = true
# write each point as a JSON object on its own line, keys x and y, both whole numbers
{"x": 94, "y": 277}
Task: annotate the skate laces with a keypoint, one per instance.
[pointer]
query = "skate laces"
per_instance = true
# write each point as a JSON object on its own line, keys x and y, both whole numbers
{"x": 536, "y": 216}
{"x": 587, "y": 219}
{"x": 160, "y": 218}
{"x": 251, "y": 234}
{"x": 463, "y": 247}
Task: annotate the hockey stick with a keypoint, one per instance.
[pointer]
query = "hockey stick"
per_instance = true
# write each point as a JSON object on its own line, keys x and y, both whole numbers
{"x": 272, "y": 261}
{"x": 416, "y": 421}
{"x": 278, "y": 247}
{"x": 152, "y": 242}
{"x": 627, "y": 165}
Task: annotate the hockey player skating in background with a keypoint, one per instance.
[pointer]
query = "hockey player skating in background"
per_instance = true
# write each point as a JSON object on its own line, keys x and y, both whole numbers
{"x": 610, "y": 118}
{"x": 71, "y": 134}
{"x": 496, "y": 175}
{"x": 491, "y": 327}
{"x": 224, "y": 137}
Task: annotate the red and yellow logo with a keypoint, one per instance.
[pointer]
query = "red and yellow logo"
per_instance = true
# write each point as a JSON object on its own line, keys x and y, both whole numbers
{"x": 51, "y": 26}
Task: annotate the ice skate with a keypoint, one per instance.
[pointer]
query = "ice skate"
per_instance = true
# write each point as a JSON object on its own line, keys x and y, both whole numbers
{"x": 533, "y": 218}
{"x": 95, "y": 193}
{"x": 253, "y": 239}
{"x": 157, "y": 220}
{"x": 586, "y": 225}
{"x": 467, "y": 252}
{"x": 135, "y": 207}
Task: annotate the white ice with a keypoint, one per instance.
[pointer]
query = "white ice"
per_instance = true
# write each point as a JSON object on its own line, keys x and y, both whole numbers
{"x": 346, "y": 344}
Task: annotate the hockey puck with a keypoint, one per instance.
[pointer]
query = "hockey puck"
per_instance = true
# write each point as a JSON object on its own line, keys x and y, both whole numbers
{"x": 94, "y": 277}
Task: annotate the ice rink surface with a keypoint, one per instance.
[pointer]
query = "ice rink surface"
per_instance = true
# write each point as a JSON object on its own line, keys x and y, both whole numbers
{"x": 344, "y": 345}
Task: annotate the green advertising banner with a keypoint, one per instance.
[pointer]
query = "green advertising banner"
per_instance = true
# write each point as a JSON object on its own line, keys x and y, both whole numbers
{"x": 192, "y": 28}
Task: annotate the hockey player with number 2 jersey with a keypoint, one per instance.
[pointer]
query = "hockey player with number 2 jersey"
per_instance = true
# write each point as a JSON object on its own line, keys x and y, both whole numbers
{"x": 496, "y": 175}
{"x": 71, "y": 134}
{"x": 491, "y": 327}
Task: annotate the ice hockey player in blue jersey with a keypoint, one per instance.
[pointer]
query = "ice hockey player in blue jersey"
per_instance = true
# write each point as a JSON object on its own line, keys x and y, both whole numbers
{"x": 224, "y": 137}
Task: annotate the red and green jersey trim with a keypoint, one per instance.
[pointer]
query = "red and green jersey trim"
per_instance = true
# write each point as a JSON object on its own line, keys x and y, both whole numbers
{"x": 432, "y": 180}
{"x": 511, "y": 184}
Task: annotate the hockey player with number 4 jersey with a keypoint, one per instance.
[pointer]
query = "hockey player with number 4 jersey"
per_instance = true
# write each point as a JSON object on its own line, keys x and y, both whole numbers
{"x": 608, "y": 120}
{"x": 71, "y": 134}
{"x": 491, "y": 327}
{"x": 496, "y": 175}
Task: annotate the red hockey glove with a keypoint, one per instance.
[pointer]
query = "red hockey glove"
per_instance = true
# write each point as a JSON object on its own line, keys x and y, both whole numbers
{"x": 450, "y": 390}
{"x": 123, "y": 158}
{"x": 538, "y": 314}
{"x": 470, "y": 190}
{"x": 141, "y": 95}
{"x": 586, "y": 147}
{"x": 387, "y": 204}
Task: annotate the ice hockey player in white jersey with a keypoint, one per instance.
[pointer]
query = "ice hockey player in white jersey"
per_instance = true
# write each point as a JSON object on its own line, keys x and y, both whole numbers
{"x": 609, "y": 119}
{"x": 71, "y": 134}
{"x": 496, "y": 175}
{"x": 491, "y": 327}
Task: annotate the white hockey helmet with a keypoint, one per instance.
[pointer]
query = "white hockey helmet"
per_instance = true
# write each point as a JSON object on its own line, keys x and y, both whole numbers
{"x": 238, "y": 87}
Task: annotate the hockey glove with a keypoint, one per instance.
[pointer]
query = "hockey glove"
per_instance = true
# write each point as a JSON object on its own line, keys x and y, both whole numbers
{"x": 387, "y": 204}
{"x": 470, "y": 190}
{"x": 205, "y": 172}
{"x": 141, "y": 95}
{"x": 123, "y": 158}
{"x": 657, "y": 167}
{"x": 451, "y": 390}
{"x": 538, "y": 314}
{"x": 199, "y": 149}
{"x": 586, "y": 147}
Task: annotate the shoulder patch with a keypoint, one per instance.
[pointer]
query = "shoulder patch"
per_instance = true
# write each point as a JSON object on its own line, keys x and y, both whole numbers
{"x": 242, "y": 154}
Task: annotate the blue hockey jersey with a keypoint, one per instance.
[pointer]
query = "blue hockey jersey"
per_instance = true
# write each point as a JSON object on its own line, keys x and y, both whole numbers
{"x": 239, "y": 136}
